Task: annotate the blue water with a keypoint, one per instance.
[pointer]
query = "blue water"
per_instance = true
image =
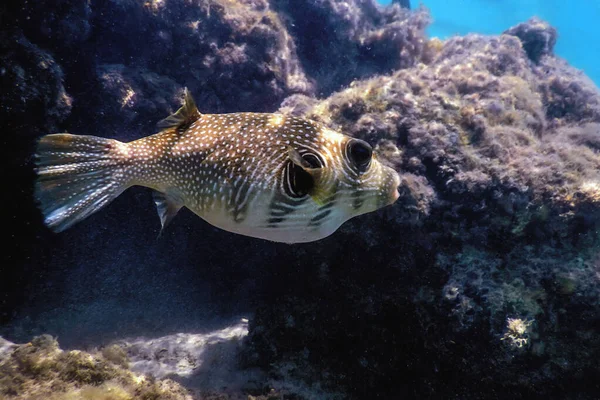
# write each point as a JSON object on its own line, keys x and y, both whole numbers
{"x": 577, "y": 22}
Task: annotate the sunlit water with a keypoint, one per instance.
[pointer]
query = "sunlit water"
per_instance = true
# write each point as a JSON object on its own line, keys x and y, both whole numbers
{"x": 576, "y": 22}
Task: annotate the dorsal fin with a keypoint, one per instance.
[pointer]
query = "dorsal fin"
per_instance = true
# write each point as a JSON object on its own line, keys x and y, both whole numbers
{"x": 187, "y": 114}
{"x": 167, "y": 206}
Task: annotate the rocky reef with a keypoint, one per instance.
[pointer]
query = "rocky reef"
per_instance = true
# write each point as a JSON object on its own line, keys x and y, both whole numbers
{"x": 339, "y": 41}
{"x": 41, "y": 370}
{"x": 480, "y": 282}
{"x": 494, "y": 244}
{"x": 172, "y": 367}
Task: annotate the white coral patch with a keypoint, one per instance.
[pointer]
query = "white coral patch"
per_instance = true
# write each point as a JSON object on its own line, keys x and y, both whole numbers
{"x": 517, "y": 332}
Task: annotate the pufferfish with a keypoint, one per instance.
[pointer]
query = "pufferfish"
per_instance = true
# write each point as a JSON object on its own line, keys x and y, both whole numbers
{"x": 269, "y": 176}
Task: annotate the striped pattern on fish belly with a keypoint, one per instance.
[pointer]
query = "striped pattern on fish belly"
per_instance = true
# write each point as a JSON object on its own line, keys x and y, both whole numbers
{"x": 300, "y": 222}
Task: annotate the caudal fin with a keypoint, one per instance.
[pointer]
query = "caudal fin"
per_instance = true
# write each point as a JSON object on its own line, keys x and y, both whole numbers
{"x": 77, "y": 176}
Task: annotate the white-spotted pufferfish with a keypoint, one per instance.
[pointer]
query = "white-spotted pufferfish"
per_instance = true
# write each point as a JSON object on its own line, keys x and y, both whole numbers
{"x": 269, "y": 176}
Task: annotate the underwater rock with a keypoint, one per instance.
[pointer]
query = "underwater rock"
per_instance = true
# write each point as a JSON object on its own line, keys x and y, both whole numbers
{"x": 175, "y": 367}
{"x": 207, "y": 361}
{"x": 504, "y": 198}
{"x": 238, "y": 55}
{"x": 569, "y": 96}
{"x": 6, "y": 348}
{"x": 58, "y": 25}
{"x": 537, "y": 36}
{"x": 67, "y": 25}
{"x": 33, "y": 97}
{"x": 40, "y": 369}
{"x": 135, "y": 96}
{"x": 297, "y": 104}
{"x": 473, "y": 121}
{"x": 340, "y": 41}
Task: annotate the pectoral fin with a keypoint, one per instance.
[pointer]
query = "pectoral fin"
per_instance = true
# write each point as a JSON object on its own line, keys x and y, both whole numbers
{"x": 167, "y": 205}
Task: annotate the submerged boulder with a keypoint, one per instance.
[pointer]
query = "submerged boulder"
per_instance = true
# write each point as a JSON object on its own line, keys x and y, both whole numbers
{"x": 236, "y": 55}
{"x": 33, "y": 97}
{"x": 132, "y": 95}
{"x": 40, "y": 369}
{"x": 483, "y": 274}
{"x": 537, "y": 36}
{"x": 339, "y": 41}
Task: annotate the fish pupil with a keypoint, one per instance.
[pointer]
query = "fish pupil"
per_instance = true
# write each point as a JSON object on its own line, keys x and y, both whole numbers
{"x": 360, "y": 154}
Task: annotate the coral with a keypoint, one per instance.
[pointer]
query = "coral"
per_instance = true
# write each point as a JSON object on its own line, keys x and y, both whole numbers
{"x": 517, "y": 332}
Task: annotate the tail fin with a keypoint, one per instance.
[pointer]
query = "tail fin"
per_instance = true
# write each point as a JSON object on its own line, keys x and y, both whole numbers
{"x": 77, "y": 176}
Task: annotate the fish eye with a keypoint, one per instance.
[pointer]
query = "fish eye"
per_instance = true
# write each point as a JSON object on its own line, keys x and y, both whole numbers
{"x": 359, "y": 153}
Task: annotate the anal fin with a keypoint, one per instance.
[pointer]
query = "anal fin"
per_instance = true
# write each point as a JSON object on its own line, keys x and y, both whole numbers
{"x": 167, "y": 205}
